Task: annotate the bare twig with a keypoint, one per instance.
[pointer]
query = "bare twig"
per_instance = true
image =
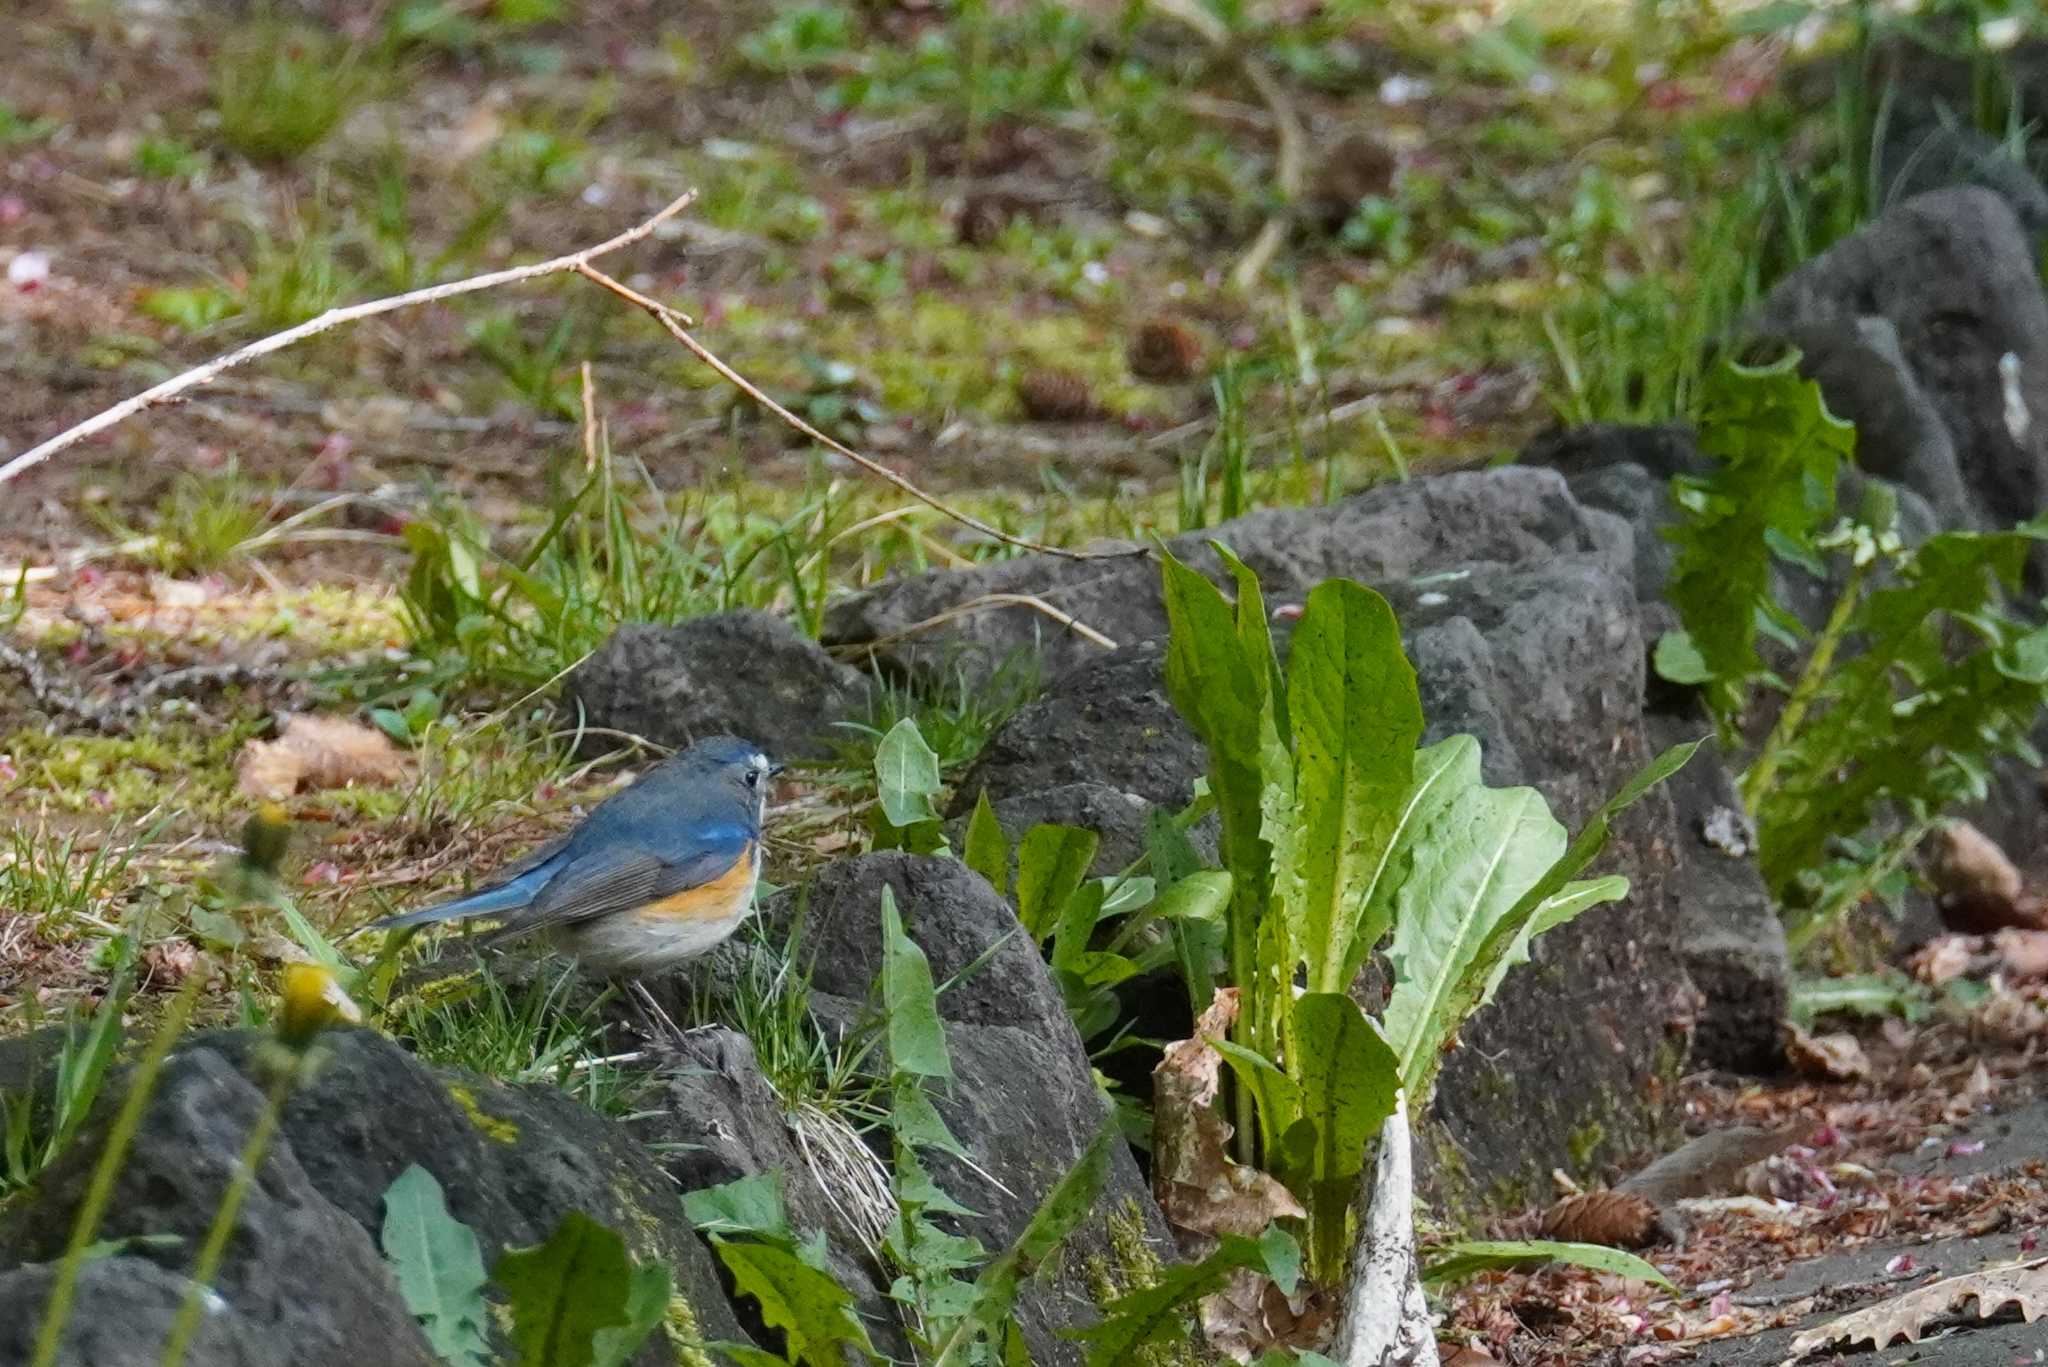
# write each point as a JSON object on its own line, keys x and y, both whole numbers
{"x": 677, "y": 327}
{"x": 168, "y": 390}
{"x": 989, "y": 600}
{"x": 114, "y": 714}
{"x": 1291, "y": 152}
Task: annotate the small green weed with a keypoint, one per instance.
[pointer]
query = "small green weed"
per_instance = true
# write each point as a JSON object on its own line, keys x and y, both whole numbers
{"x": 60, "y": 887}
{"x": 539, "y": 1030}
{"x": 161, "y": 157}
{"x": 37, "y": 1123}
{"x": 281, "y": 89}
{"x": 1921, "y": 677}
{"x": 17, "y": 128}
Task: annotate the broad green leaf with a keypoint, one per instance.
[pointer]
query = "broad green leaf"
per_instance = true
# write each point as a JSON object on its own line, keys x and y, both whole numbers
{"x": 1355, "y": 716}
{"x": 1224, "y": 697}
{"x": 1864, "y": 994}
{"x": 1075, "y": 925}
{"x": 914, "y": 1120}
{"x": 1051, "y": 864}
{"x": 1057, "y": 1216}
{"x": 1145, "y": 1316}
{"x": 1278, "y": 1098}
{"x": 917, "y": 1039}
{"x": 1347, "y": 1076}
{"x": 1465, "y": 856}
{"x": 748, "y": 1205}
{"x": 647, "y": 1297}
{"x": 906, "y": 776}
{"x": 562, "y": 1292}
{"x": 1167, "y": 846}
{"x": 1198, "y": 897}
{"x": 813, "y": 1311}
{"x": 1456, "y": 1262}
{"x": 439, "y": 1268}
{"x": 1121, "y": 896}
{"x": 988, "y": 850}
{"x": 1678, "y": 660}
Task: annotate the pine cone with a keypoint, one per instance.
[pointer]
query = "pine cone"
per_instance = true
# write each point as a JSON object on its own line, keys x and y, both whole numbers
{"x": 1165, "y": 351}
{"x": 1057, "y": 396}
{"x": 1614, "y": 1218}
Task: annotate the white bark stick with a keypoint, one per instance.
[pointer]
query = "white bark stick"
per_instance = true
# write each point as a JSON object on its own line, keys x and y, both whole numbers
{"x": 206, "y": 374}
{"x": 1386, "y": 1320}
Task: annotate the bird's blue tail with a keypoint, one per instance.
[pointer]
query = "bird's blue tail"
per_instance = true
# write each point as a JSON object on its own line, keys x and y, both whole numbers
{"x": 493, "y": 901}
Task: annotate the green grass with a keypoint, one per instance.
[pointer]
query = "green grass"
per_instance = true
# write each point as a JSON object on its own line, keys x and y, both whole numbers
{"x": 541, "y": 1030}
{"x": 280, "y": 89}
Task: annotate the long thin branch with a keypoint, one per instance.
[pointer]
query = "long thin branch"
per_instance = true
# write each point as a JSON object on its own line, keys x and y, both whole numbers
{"x": 169, "y": 389}
{"x": 1291, "y": 154}
{"x": 677, "y": 327}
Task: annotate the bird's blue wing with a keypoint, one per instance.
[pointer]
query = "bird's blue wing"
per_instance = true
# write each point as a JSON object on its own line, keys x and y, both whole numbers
{"x": 621, "y": 877}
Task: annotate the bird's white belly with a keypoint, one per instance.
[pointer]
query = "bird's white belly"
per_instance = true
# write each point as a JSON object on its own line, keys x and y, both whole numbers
{"x": 641, "y": 942}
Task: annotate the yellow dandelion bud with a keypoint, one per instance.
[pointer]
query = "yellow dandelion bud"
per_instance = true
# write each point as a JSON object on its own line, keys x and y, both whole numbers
{"x": 313, "y": 1001}
{"x": 265, "y": 838}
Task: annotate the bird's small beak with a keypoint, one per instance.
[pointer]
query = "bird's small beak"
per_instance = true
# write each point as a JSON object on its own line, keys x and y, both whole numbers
{"x": 775, "y": 769}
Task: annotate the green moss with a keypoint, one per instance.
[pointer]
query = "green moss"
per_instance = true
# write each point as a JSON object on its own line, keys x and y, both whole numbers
{"x": 685, "y": 1335}
{"x": 491, "y": 1126}
{"x": 1131, "y": 1264}
{"x": 1584, "y": 1142}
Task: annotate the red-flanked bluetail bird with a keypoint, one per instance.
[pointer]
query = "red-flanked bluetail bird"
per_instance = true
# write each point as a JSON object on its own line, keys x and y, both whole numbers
{"x": 657, "y": 873}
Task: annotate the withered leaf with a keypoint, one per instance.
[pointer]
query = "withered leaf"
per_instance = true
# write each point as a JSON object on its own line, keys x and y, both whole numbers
{"x": 1197, "y": 1184}
{"x": 1907, "y": 1316}
{"x": 1831, "y": 1058}
{"x": 317, "y": 752}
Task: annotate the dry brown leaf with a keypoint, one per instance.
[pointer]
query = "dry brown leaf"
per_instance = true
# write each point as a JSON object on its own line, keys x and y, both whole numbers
{"x": 1197, "y": 1184}
{"x": 2023, "y": 954}
{"x": 1615, "y": 1218}
{"x": 1968, "y": 861}
{"x": 2005, "y": 1017}
{"x": 1251, "y": 1315}
{"x": 1832, "y": 1058}
{"x": 1470, "y": 1357}
{"x": 1943, "y": 959}
{"x": 1907, "y": 1316}
{"x": 317, "y": 752}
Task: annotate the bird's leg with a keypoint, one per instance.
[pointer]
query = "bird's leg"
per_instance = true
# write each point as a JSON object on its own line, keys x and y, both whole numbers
{"x": 660, "y": 1026}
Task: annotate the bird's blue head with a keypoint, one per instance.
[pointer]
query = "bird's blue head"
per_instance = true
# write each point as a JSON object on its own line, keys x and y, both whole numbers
{"x": 737, "y": 767}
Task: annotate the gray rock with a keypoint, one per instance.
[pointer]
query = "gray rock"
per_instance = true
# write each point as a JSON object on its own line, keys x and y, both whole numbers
{"x": 1732, "y": 939}
{"x": 743, "y": 673}
{"x": 1917, "y": 157}
{"x": 1106, "y": 722}
{"x": 1952, "y": 273}
{"x": 125, "y": 1307}
{"x": 1023, "y": 1101}
{"x": 304, "y": 1265}
{"x": 1386, "y": 534}
{"x": 299, "y": 1271}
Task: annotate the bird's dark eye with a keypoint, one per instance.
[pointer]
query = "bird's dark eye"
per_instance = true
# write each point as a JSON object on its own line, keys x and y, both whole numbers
{"x": 753, "y": 778}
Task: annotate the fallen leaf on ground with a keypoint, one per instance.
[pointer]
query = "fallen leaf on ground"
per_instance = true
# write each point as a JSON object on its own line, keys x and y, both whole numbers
{"x": 1943, "y": 959}
{"x": 1250, "y": 1315}
{"x": 2022, "y": 953}
{"x": 1906, "y": 1316}
{"x": 1197, "y": 1184}
{"x": 1968, "y": 861}
{"x": 1833, "y": 1058}
{"x": 317, "y": 752}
